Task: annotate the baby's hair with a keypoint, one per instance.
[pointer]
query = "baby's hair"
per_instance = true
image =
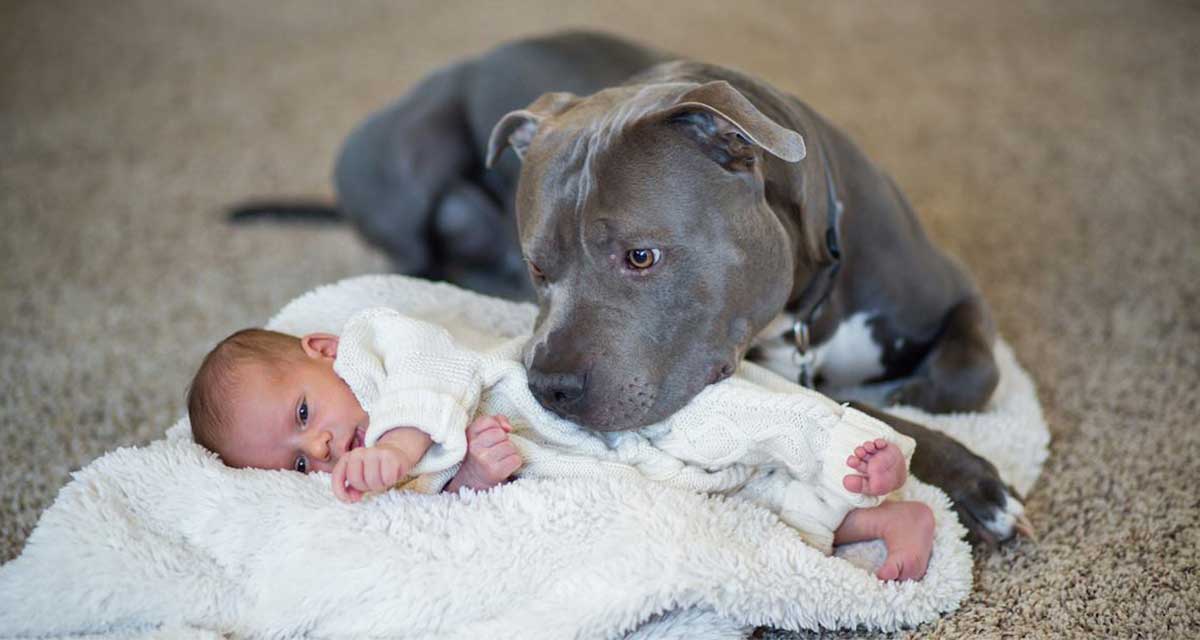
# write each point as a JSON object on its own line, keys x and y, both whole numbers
{"x": 209, "y": 397}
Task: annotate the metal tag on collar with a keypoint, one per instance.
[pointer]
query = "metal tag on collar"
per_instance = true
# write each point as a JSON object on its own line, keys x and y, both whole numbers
{"x": 803, "y": 357}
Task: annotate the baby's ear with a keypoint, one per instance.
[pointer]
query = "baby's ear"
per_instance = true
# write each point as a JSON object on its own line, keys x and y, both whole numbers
{"x": 320, "y": 345}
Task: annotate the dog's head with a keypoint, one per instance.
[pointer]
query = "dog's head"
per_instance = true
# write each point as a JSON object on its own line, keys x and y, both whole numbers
{"x": 644, "y": 219}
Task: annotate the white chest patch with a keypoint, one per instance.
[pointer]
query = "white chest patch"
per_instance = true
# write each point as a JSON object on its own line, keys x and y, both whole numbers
{"x": 848, "y": 357}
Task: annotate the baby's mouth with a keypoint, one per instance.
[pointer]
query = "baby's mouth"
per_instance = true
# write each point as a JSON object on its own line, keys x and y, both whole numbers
{"x": 356, "y": 440}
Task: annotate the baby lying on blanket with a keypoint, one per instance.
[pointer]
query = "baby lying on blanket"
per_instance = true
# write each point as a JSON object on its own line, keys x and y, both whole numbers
{"x": 395, "y": 398}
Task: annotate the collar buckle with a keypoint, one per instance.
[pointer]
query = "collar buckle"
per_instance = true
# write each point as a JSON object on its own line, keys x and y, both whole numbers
{"x": 803, "y": 357}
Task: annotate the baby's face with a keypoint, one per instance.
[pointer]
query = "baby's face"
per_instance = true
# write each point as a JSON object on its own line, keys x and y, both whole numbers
{"x": 302, "y": 418}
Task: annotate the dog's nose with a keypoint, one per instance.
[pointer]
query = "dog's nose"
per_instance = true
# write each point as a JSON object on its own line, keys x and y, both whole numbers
{"x": 557, "y": 391}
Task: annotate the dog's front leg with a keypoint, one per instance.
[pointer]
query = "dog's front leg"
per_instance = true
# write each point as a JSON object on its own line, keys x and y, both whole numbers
{"x": 960, "y": 373}
{"x": 985, "y": 504}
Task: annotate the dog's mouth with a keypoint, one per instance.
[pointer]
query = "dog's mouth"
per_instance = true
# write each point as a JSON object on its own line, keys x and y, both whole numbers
{"x": 718, "y": 372}
{"x": 643, "y": 402}
{"x": 626, "y": 408}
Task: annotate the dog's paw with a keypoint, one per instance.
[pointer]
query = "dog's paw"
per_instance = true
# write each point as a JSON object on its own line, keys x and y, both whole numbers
{"x": 988, "y": 508}
{"x": 914, "y": 392}
{"x": 926, "y": 394}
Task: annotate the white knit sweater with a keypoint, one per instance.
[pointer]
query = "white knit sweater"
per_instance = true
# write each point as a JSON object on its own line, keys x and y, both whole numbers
{"x": 754, "y": 437}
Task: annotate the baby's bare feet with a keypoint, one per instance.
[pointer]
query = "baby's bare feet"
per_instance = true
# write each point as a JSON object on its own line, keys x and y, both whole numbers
{"x": 881, "y": 465}
{"x": 909, "y": 539}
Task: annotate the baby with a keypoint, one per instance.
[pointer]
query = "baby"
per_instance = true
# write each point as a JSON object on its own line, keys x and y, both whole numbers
{"x": 395, "y": 399}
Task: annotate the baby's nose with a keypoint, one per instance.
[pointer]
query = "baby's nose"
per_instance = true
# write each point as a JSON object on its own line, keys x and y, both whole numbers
{"x": 317, "y": 446}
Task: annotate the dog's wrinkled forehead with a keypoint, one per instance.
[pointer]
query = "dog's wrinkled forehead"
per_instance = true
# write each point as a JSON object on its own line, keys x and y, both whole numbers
{"x": 563, "y": 137}
{"x": 576, "y": 139}
{"x": 602, "y": 117}
{"x": 572, "y": 139}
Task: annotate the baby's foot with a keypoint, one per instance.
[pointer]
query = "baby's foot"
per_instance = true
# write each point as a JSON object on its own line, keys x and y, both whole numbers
{"x": 881, "y": 465}
{"x": 909, "y": 540}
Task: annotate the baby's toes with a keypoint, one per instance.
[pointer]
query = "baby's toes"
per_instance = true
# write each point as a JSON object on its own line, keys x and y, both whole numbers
{"x": 854, "y": 484}
{"x": 915, "y": 571}
{"x": 890, "y": 570}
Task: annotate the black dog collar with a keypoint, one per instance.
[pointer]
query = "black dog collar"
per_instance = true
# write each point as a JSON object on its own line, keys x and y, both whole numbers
{"x": 817, "y": 291}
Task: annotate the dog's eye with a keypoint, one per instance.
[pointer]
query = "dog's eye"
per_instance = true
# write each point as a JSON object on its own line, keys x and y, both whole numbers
{"x": 641, "y": 259}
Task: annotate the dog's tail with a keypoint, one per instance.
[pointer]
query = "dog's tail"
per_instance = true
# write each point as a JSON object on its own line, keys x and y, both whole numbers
{"x": 302, "y": 211}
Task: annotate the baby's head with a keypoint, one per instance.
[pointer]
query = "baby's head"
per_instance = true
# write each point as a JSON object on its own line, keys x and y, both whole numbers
{"x": 269, "y": 400}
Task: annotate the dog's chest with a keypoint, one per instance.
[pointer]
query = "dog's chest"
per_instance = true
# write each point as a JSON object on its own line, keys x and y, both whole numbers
{"x": 850, "y": 356}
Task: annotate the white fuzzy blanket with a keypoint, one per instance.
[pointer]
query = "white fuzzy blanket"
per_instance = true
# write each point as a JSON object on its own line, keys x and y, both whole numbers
{"x": 164, "y": 539}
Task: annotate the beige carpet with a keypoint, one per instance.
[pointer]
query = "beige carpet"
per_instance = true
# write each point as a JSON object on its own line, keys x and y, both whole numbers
{"x": 1054, "y": 147}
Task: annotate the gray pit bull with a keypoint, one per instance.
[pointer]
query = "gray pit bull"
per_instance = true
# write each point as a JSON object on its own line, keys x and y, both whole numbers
{"x": 672, "y": 218}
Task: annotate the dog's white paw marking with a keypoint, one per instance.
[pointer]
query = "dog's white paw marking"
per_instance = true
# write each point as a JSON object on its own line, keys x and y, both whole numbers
{"x": 1004, "y": 521}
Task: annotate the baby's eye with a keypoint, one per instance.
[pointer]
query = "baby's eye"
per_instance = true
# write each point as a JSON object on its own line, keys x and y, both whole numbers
{"x": 302, "y": 412}
{"x": 301, "y": 464}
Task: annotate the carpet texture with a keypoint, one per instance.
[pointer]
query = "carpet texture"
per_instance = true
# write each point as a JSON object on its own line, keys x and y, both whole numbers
{"x": 1052, "y": 146}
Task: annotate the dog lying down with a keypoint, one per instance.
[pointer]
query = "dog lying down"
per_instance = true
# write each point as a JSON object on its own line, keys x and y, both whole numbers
{"x": 165, "y": 537}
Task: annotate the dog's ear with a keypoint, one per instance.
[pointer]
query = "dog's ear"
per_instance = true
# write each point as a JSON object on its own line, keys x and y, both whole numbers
{"x": 517, "y": 128}
{"x": 729, "y": 127}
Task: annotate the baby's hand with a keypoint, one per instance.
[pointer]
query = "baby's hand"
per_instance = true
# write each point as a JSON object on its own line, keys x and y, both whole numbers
{"x": 379, "y": 467}
{"x": 491, "y": 456}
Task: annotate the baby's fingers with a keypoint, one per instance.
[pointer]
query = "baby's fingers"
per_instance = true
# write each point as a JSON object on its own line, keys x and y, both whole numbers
{"x": 504, "y": 450}
{"x": 488, "y": 438}
{"x": 481, "y": 424}
{"x": 340, "y": 491}
{"x": 356, "y": 483}
{"x": 338, "y": 480}
{"x": 390, "y": 472}
{"x": 372, "y": 479}
{"x": 504, "y": 423}
{"x": 502, "y": 460}
{"x": 508, "y": 465}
